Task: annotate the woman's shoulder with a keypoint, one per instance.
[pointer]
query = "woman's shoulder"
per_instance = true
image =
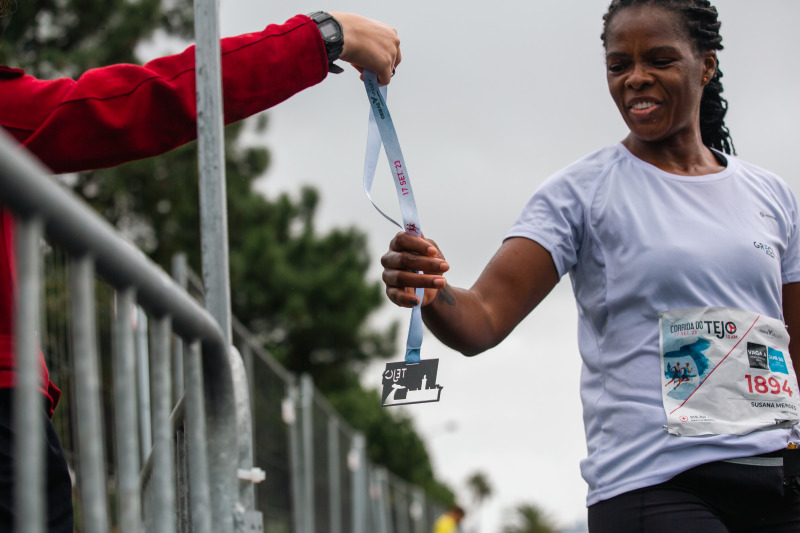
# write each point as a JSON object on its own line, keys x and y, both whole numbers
{"x": 757, "y": 174}
{"x": 754, "y": 169}
{"x": 585, "y": 173}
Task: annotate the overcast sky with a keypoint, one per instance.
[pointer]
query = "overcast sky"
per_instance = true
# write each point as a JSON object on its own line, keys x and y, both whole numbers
{"x": 489, "y": 100}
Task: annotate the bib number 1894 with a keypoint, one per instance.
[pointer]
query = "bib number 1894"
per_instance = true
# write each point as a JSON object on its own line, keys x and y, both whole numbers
{"x": 762, "y": 385}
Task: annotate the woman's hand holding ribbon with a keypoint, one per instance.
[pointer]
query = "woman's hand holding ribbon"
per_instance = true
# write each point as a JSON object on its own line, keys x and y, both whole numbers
{"x": 407, "y": 257}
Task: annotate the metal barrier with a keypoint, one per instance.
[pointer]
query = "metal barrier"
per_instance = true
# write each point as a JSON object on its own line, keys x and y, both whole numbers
{"x": 335, "y": 489}
{"x": 213, "y": 418}
{"x": 301, "y": 442}
{"x": 179, "y": 453}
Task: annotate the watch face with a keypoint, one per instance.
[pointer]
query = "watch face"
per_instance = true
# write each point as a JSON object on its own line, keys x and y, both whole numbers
{"x": 329, "y": 30}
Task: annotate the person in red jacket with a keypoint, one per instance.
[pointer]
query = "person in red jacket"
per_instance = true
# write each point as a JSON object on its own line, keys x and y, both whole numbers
{"x": 120, "y": 113}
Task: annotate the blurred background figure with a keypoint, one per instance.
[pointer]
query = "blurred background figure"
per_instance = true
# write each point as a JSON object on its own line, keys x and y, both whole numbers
{"x": 448, "y": 522}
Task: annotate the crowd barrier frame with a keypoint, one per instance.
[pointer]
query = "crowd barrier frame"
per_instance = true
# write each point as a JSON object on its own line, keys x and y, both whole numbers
{"x": 43, "y": 208}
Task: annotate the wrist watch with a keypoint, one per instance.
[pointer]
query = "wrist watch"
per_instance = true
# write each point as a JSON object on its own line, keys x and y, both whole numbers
{"x": 332, "y": 35}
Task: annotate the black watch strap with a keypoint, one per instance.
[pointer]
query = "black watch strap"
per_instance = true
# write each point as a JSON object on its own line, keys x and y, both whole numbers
{"x": 332, "y": 36}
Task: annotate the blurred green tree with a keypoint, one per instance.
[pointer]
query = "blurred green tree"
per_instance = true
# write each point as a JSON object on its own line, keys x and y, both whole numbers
{"x": 66, "y": 37}
{"x": 529, "y": 518}
{"x": 480, "y": 488}
{"x": 391, "y": 438}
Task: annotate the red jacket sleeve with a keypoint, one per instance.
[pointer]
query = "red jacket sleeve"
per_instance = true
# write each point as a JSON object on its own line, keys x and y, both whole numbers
{"x": 124, "y": 112}
{"x": 120, "y": 113}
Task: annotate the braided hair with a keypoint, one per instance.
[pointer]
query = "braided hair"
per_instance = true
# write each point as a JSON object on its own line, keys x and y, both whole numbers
{"x": 702, "y": 24}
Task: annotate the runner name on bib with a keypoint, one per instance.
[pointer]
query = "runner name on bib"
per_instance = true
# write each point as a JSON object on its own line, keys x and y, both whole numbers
{"x": 726, "y": 371}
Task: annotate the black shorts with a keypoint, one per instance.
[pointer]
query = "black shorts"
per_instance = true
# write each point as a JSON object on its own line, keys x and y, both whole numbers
{"x": 720, "y": 497}
{"x": 59, "y": 483}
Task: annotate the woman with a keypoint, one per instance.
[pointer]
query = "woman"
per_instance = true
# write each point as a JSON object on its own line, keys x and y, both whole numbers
{"x": 658, "y": 228}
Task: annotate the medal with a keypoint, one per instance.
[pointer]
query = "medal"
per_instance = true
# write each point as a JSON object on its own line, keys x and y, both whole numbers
{"x": 412, "y": 380}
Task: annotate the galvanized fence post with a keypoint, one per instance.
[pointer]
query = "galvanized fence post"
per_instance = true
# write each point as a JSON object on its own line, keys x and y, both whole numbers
{"x": 143, "y": 383}
{"x": 307, "y": 411}
{"x": 200, "y": 497}
{"x": 211, "y": 164}
{"x": 380, "y": 500}
{"x": 295, "y": 456}
{"x": 182, "y": 467}
{"x": 179, "y": 274}
{"x": 334, "y": 477}
{"x": 245, "y": 517}
{"x": 247, "y": 358}
{"x": 401, "y": 505}
{"x": 417, "y": 511}
{"x": 87, "y": 401}
{"x": 29, "y": 447}
{"x": 357, "y": 460}
{"x": 163, "y": 472}
{"x": 127, "y": 441}
{"x": 214, "y": 235}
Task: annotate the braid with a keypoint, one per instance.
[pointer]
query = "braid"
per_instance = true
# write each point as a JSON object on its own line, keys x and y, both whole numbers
{"x": 703, "y": 27}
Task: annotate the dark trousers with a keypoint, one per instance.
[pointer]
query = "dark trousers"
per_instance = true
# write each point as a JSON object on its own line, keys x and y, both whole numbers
{"x": 59, "y": 485}
{"x": 718, "y": 497}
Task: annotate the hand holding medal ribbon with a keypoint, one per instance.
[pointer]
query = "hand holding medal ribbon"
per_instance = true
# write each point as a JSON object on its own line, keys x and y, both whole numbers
{"x": 412, "y": 380}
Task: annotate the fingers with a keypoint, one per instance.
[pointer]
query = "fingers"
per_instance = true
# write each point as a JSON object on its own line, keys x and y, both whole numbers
{"x": 369, "y": 44}
{"x": 407, "y": 297}
{"x": 401, "y": 285}
{"x": 407, "y": 252}
{"x": 402, "y": 297}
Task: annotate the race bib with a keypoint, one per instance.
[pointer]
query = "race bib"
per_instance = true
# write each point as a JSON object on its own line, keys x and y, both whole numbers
{"x": 726, "y": 371}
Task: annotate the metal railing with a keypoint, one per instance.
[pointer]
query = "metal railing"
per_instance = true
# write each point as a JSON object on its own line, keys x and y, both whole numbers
{"x": 175, "y": 402}
{"x": 318, "y": 477}
{"x": 213, "y": 416}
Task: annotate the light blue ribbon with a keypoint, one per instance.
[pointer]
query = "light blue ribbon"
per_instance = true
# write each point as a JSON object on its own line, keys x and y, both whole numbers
{"x": 381, "y": 131}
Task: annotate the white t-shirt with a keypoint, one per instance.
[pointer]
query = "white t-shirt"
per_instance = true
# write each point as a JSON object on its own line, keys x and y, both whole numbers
{"x": 635, "y": 241}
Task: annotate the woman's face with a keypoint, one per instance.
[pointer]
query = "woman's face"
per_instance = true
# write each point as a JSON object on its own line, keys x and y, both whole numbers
{"x": 655, "y": 76}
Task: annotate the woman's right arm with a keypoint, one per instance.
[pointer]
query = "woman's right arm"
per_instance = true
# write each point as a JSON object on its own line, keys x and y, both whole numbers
{"x": 471, "y": 321}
